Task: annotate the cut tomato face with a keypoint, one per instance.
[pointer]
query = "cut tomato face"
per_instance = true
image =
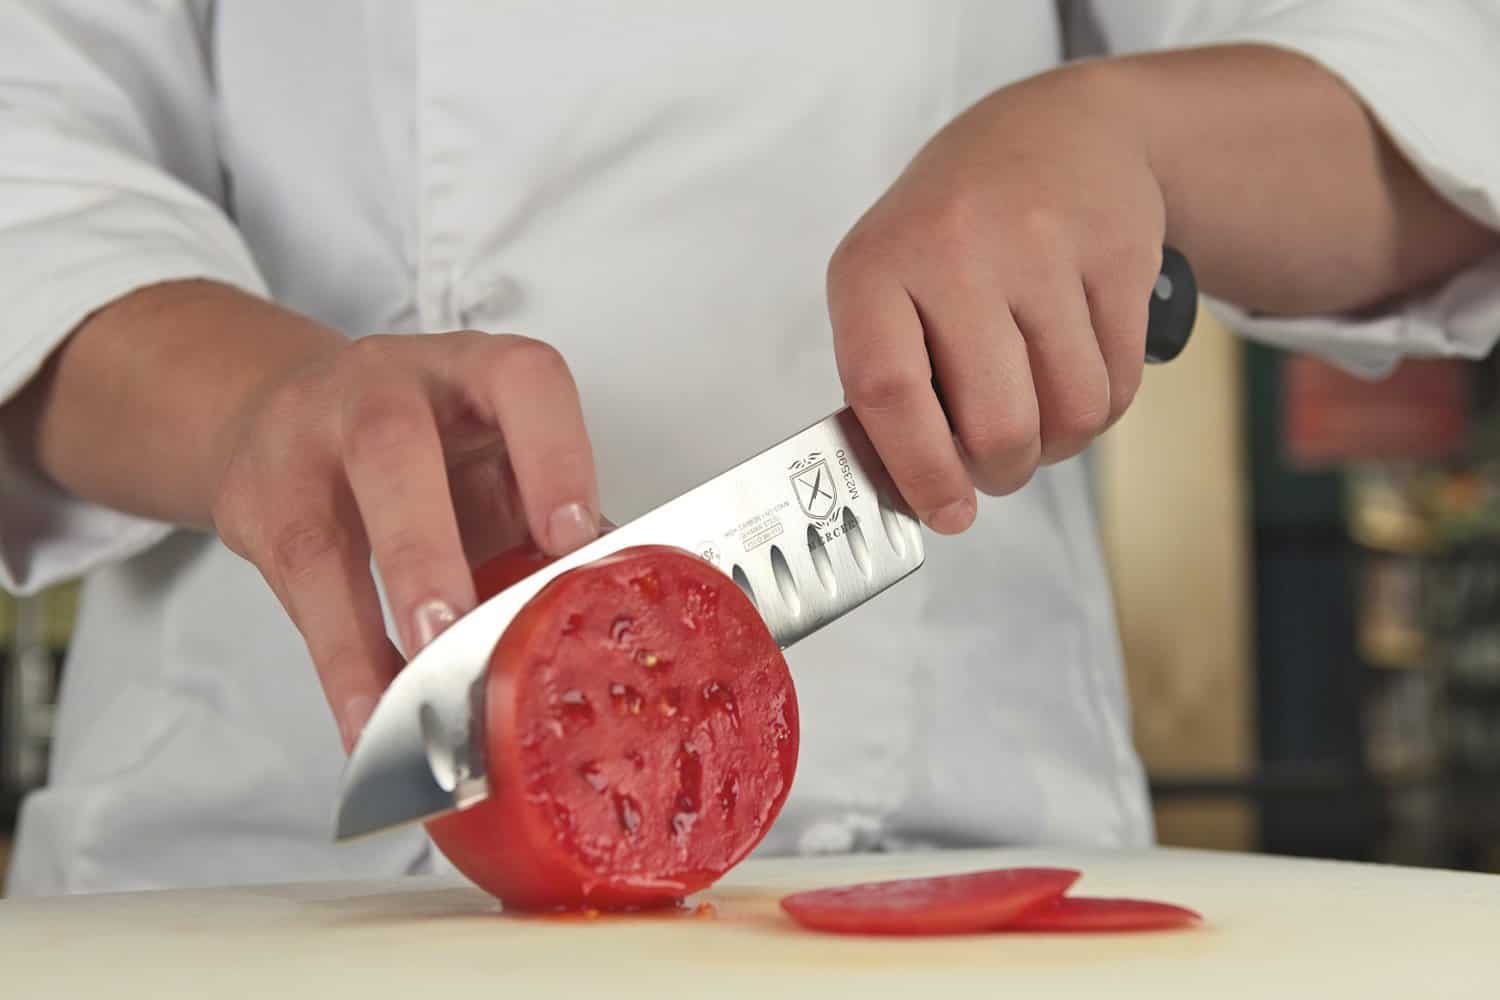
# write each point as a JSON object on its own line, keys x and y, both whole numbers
{"x": 642, "y": 734}
{"x": 1089, "y": 913}
{"x": 950, "y": 904}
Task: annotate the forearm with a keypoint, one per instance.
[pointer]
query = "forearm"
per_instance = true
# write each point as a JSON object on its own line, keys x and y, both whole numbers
{"x": 1279, "y": 185}
{"x": 134, "y": 409}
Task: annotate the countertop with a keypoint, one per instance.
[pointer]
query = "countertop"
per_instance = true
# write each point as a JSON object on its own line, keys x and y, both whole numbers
{"x": 1275, "y": 927}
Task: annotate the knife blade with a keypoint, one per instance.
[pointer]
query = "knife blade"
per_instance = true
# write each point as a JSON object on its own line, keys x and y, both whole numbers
{"x": 809, "y": 529}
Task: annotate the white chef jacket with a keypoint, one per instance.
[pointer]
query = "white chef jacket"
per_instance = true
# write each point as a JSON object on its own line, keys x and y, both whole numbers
{"x": 654, "y": 188}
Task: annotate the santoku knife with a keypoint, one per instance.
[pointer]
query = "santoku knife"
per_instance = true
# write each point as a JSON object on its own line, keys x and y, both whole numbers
{"x": 810, "y": 529}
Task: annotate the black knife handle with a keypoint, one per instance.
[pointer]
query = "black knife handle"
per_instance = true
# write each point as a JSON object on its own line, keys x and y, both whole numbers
{"x": 1174, "y": 307}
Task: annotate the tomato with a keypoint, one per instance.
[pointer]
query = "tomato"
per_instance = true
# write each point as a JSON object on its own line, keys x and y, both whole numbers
{"x": 507, "y": 568}
{"x": 950, "y": 904}
{"x": 1087, "y": 913}
{"x": 642, "y": 735}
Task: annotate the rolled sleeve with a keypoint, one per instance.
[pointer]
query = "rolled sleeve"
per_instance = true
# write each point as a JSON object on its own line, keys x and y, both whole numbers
{"x": 109, "y": 182}
{"x": 1429, "y": 76}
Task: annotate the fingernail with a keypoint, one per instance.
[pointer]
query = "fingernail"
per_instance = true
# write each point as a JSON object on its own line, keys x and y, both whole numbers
{"x": 570, "y": 527}
{"x": 429, "y": 620}
{"x": 357, "y": 712}
{"x": 952, "y": 519}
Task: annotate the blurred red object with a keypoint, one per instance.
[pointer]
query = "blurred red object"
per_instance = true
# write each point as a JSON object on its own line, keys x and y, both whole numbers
{"x": 1420, "y": 411}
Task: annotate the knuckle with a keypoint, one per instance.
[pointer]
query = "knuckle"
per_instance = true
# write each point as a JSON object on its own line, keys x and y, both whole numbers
{"x": 879, "y": 388}
{"x": 228, "y": 509}
{"x": 1077, "y": 416}
{"x": 525, "y": 357}
{"x": 929, "y": 487}
{"x": 1136, "y": 262}
{"x": 406, "y": 560}
{"x": 1003, "y": 455}
{"x": 1045, "y": 232}
{"x": 1004, "y": 480}
{"x": 374, "y": 350}
{"x": 954, "y": 222}
{"x": 379, "y": 424}
{"x": 1079, "y": 424}
{"x": 1068, "y": 436}
{"x": 300, "y": 544}
{"x": 289, "y": 406}
{"x": 859, "y": 253}
{"x": 464, "y": 338}
{"x": 1006, "y": 437}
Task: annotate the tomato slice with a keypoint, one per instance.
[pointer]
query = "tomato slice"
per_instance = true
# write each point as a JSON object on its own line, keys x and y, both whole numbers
{"x": 643, "y": 735}
{"x": 1090, "y": 913}
{"x": 949, "y": 904}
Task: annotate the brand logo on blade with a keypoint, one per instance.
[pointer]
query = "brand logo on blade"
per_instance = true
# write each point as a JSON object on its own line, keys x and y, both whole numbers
{"x": 812, "y": 482}
{"x": 818, "y": 489}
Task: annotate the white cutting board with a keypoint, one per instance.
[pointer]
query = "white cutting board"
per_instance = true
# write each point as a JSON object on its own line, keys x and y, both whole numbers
{"x": 1275, "y": 928}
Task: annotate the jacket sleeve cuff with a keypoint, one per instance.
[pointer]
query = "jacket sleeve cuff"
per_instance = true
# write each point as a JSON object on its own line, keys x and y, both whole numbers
{"x": 1427, "y": 75}
{"x": 48, "y": 535}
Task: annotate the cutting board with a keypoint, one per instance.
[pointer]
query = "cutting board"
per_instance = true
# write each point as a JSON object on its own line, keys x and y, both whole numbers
{"x": 1275, "y": 928}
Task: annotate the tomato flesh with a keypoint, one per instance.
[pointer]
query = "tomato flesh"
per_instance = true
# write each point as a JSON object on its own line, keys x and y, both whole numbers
{"x": 643, "y": 736}
{"x": 1089, "y": 913}
{"x": 950, "y": 904}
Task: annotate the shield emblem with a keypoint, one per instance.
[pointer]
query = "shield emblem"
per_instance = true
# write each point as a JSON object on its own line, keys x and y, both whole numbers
{"x": 816, "y": 493}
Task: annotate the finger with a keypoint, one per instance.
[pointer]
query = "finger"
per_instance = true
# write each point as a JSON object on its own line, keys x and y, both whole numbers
{"x": 1067, "y": 368}
{"x": 393, "y": 458}
{"x": 318, "y": 563}
{"x": 488, "y": 505}
{"x": 882, "y": 360}
{"x": 525, "y": 387}
{"x": 1119, "y": 307}
{"x": 985, "y": 374}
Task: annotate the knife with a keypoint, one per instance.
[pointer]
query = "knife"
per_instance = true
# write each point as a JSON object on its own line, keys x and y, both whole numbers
{"x": 809, "y": 529}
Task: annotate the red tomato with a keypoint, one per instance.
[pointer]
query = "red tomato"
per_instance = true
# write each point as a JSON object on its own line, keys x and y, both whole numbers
{"x": 507, "y": 568}
{"x": 642, "y": 734}
{"x": 1087, "y": 913}
{"x": 950, "y": 904}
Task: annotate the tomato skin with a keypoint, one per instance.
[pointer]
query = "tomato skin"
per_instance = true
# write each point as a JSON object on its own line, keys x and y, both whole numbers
{"x": 1085, "y": 914}
{"x": 535, "y": 842}
{"x": 950, "y": 904}
{"x": 509, "y": 567}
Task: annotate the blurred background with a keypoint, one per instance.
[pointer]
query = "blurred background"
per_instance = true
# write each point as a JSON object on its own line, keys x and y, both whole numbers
{"x": 1307, "y": 569}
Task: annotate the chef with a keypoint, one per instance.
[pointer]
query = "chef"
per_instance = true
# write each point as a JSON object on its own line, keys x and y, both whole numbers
{"x": 293, "y": 290}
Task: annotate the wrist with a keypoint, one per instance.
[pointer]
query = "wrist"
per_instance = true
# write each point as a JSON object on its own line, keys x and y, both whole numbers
{"x": 135, "y": 409}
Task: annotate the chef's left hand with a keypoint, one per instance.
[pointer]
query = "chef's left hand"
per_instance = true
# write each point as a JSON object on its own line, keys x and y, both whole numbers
{"x": 1013, "y": 262}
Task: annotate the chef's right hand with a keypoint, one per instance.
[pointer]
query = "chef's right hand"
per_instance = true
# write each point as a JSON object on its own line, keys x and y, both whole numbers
{"x": 431, "y": 452}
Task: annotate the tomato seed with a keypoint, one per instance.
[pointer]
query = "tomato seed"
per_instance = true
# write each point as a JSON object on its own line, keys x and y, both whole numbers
{"x": 700, "y": 606}
{"x": 648, "y": 585}
{"x": 626, "y": 698}
{"x": 729, "y": 792}
{"x": 576, "y": 712}
{"x": 689, "y": 780}
{"x": 622, "y": 630}
{"x": 591, "y": 772}
{"x": 629, "y": 812}
{"x": 720, "y": 697}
